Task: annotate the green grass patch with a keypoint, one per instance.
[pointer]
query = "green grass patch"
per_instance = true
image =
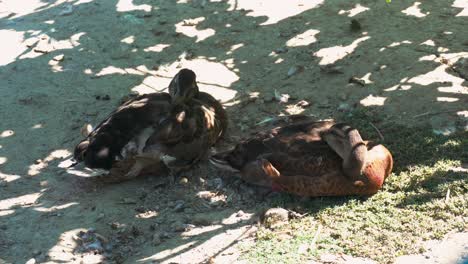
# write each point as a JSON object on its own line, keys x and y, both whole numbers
{"x": 425, "y": 198}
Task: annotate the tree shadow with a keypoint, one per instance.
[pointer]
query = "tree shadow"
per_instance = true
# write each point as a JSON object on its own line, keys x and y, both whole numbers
{"x": 236, "y": 52}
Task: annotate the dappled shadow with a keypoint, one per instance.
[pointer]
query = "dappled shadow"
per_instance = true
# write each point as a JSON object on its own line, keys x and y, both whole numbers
{"x": 63, "y": 57}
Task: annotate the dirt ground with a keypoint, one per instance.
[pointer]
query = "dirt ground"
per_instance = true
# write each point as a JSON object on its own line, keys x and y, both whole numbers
{"x": 64, "y": 63}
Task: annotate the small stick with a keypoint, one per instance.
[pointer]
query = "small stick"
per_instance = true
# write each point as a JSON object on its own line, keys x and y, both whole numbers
{"x": 435, "y": 113}
{"x": 378, "y": 131}
{"x": 314, "y": 240}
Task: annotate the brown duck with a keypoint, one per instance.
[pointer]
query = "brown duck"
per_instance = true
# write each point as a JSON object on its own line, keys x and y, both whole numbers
{"x": 310, "y": 158}
{"x": 175, "y": 128}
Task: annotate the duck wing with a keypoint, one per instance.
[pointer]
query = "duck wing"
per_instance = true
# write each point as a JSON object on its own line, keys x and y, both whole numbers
{"x": 104, "y": 144}
{"x": 192, "y": 128}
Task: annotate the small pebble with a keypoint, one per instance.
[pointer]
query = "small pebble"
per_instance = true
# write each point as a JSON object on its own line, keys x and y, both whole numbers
{"x": 116, "y": 225}
{"x": 240, "y": 213}
{"x": 282, "y": 98}
{"x": 294, "y": 70}
{"x": 179, "y": 206}
{"x": 183, "y": 180}
{"x": 275, "y": 217}
{"x": 303, "y": 104}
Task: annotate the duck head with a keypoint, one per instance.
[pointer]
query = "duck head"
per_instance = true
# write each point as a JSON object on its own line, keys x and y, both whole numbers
{"x": 378, "y": 167}
{"x": 183, "y": 86}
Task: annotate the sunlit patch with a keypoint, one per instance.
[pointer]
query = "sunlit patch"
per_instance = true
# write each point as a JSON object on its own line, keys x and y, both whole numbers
{"x": 8, "y": 177}
{"x": 373, "y": 101}
{"x": 79, "y": 2}
{"x": 273, "y": 54}
{"x": 429, "y": 42}
{"x": 110, "y": 70}
{"x": 188, "y": 27}
{"x": 278, "y": 61}
{"x": 218, "y": 241}
{"x": 46, "y": 44}
{"x": 20, "y": 8}
{"x": 3, "y": 160}
{"x": 463, "y": 113}
{"x": 294, "y": 109}
{"x": 20, "y": 201}
{"x": 275, "y": 11}
{"x": 235, "y": 47}
{"x": 39, "y": 165}
{"x": 442, "y": 49}
{"x": 11, "y": 46}
{"x": 428, "y": 58}
{"x": 461, "y": 4}
{"x": 447, "y": 99}
{"x": 405, "y": 87}
{"x": 65, "y": 250}
{"x": 7, "y": 133}
{"x": 393, "y": 88}
{"x": 354, "y": 11}
{"x": 169, "y": 252}
{"x": 439, "y": 74}
{"x": 333, "y": 54}
{"x": 398, "y": 43}
{"x": 366, "y": 78}
{"x": 453, "y": 89}
{"x": 54, "y": 208}
{"x": 414, "y": 10}
{"x": 147, "y": 215}
{"x": 303, "y": 39}
{"x": 128, "y": 40}
{"x": 127, "y": 5}
{"x": 157, "y": 48}
{"x": 54, "y": 66}
{"x": 6, "y": 212}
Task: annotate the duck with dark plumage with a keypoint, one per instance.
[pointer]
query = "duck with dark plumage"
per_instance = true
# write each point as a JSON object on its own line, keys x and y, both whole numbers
{"x": 155, "y": 132}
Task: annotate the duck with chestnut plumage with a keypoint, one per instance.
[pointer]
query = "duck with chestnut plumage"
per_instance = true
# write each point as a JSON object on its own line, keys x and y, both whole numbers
{"x": 310, "y": 158}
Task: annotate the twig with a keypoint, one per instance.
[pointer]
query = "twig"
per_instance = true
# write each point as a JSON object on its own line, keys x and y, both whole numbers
{"x": 378, "y": 131}
{"x": 314, "y": 240}
{"x": 435, "y": 113}
{"x": 447, "y": 196}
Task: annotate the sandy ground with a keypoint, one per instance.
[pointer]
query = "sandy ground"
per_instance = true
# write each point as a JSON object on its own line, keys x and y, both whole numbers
{"x": 64, "y": 63}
